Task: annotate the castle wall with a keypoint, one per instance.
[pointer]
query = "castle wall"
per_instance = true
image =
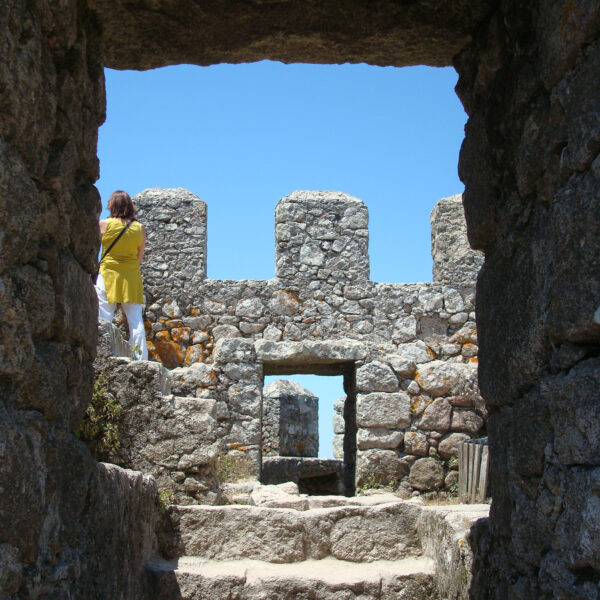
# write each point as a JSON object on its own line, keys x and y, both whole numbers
{"x": 528, "y": 80}
{"x": 413, "y": 346}
{"x": 530, "y": 164}
{"x": 69, "y": 527}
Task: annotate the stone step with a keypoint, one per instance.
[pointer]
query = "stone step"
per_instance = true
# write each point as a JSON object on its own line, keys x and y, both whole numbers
{"x": 192, "y": 578}
{"x": 387, "y": 531}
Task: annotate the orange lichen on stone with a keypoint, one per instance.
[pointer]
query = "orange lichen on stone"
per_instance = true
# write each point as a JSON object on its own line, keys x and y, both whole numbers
{"x": 469, "y": 350}
{"x": 466, "y": 335}
{"x": 180, "y": 334}
{"x": 236, "y": 446}
{"x": 171, "y": 354}
{"x": 419, "y": 404}
{"x": 474, "y": 360}
{"x": 174, "y": 323}
{"x": 162, "y": 336}
{"x": 148, "y": 326}
{"x": 152, "y": 353}
{"x": 212, "y": 376}
{"x": 194, "y": 354}
{"x": 194, "y": 311}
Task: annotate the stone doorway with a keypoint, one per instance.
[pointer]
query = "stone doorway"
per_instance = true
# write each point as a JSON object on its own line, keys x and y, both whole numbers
{"x": 296, "y": 459}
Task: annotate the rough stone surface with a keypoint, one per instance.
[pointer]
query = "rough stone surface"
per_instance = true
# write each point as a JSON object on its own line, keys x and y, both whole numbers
{"x": 353, "y": 533}
{"x": 384, "y": 34}
{"x": 290, "y": 421}
{"x": 376, "y": 377}
{"x": 531, "y": 171}
{"x": 448, "y": 447}
{"x": 284, "y": 495}
{"x": 379, "y": 409}
{"x": 528, "y": 80}
{"x": 173, "y": 438}
{"x": 321, "y": 315}
{"x": 426, "y": 474}
{"x": 326, "y": 579}
{"x": 321, "y": 233}
{"x": 382, "y": 466}
{"x": 69, "y": 528}
{"x": 340, "y": 531}
{"x": 111, "y": 342}
{"x": 454, "y": 262}
{"x": 445, "y": 534}
{"x": 379, "y": 438}
{"x": 169, "y": 256}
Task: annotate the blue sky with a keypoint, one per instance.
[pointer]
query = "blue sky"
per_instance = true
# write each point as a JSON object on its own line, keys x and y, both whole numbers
{"x": 243, "y": 136}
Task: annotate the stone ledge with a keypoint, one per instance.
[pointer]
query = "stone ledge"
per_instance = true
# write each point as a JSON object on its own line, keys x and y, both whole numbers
{"x": 317, "y": 352}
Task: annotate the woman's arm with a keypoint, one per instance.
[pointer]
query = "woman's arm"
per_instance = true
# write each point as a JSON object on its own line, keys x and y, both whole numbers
{"x": 142, "y": 246}
{"x": 102, "y": 225}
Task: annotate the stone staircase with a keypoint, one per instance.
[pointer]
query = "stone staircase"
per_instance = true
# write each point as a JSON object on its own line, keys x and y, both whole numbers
{"x": 373, "y": 547}
{"x": 271, "y": 542}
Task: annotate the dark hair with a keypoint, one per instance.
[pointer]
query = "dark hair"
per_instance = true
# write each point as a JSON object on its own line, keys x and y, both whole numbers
{"x": 121, "y": 206}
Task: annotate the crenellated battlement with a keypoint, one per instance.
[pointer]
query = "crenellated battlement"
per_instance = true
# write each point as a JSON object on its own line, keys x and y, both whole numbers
{"x": 407, "y": 351}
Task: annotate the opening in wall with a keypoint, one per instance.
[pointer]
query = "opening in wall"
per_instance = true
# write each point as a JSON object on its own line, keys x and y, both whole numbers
{"x": 309, "y": 427}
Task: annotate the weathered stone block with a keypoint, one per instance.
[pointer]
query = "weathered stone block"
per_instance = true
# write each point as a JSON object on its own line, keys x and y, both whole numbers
{"x": 376, "y": 377}
{"x": 437, "y": 416}
{"x": 448, "y": 447}
{"x": 383, "y": 465}
{"x": 415, "y": 442}
{"x": 380, "y": 409}
{"x": 378, "y": 438}
{"x": 426, "y": 474}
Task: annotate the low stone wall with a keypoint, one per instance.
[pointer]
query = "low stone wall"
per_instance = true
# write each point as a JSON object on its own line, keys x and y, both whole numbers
{"x": 173, "y": 438}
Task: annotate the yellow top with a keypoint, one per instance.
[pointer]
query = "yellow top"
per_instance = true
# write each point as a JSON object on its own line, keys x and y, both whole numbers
{"x": 120, "y": 268}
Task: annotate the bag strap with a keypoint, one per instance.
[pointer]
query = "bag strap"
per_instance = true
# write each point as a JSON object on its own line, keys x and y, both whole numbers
{"x": 115, "y": 241}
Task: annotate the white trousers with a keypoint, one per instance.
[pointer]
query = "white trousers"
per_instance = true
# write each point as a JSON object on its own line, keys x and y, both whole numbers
{"x": 133, "y": 312}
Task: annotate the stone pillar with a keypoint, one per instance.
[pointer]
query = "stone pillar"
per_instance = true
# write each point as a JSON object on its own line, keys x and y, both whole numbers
{"x": 175, "y": 259}
{"x": 455, "y": 263}
{"x": 530, "y": 164}
{"x": 290, "y": 420}
{"x": 321, "y": 237}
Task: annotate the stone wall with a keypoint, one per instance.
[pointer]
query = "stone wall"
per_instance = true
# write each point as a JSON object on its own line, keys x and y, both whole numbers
{"x": 69, "y": 527}
{"x": 411, "y": 347}
{"x": 530, "y": 163}
{"x": 290, "y": 420}
{"x": 321, "y": 238}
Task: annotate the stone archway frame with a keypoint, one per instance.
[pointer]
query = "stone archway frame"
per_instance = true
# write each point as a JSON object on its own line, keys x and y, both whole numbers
{"x": 337, "y": 357}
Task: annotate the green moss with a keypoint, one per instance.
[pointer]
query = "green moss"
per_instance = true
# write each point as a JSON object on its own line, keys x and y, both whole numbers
{"x": 163, "y": 499}
{"x": 100, "y": 425}
{"x": 234, "y": 467}
{"x": 376, "y": 482}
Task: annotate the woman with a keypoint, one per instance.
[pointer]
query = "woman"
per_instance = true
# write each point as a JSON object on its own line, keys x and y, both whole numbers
{"x": 119, "y": 280}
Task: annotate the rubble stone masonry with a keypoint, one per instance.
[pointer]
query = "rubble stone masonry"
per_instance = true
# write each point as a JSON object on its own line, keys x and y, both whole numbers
{"x": 412, "y": 347}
